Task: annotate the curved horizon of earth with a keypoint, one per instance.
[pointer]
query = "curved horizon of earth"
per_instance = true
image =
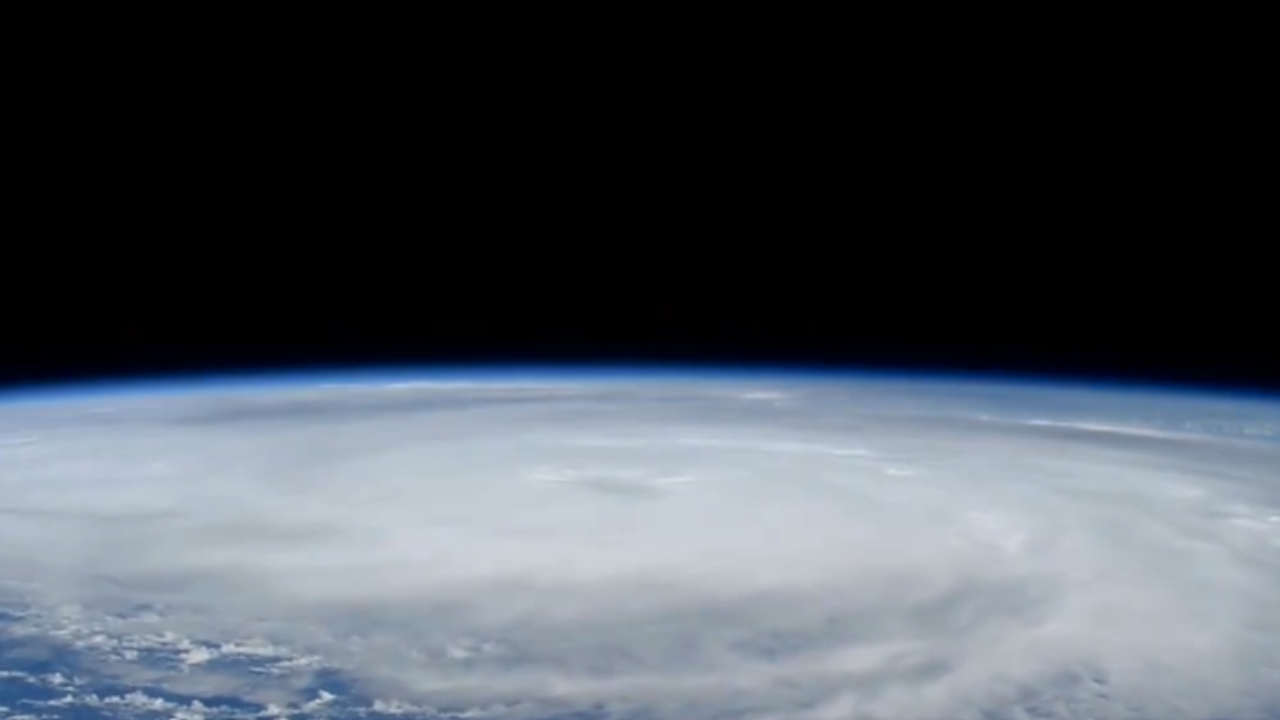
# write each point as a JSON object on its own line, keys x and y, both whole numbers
{"x": 639, "y": 547}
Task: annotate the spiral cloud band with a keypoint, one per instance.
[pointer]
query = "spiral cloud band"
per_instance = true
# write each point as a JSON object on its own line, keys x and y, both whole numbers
{"x": 691, "y": 550}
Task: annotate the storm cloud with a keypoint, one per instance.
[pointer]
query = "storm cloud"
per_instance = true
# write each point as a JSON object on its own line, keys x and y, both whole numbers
{"x": 682, "y": 551}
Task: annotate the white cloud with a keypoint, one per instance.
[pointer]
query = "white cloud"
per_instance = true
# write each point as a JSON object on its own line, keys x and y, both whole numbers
{"x": 1118, "y": 429}
{"x": 687, "y": 563}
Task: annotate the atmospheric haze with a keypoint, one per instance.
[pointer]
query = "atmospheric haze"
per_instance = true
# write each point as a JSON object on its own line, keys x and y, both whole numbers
{"x": 789, "y": 550}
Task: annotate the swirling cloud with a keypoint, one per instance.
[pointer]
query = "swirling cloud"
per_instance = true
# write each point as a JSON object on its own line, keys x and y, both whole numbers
{"x": 662, "y": 552}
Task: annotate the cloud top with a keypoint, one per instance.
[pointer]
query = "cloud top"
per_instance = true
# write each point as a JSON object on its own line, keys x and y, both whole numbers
{"x": 842, "y": 554}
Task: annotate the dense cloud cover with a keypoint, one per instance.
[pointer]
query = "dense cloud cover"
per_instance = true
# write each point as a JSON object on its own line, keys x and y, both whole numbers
{"x": 693, "y": 551}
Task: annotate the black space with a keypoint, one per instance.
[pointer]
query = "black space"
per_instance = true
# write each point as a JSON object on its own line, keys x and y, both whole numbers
{"x": 802, "y": 314}
{"x": 1078, "y": 229}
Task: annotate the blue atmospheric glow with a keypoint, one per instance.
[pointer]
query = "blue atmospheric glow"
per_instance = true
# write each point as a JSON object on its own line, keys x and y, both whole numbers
{"x": 631, "y": 373}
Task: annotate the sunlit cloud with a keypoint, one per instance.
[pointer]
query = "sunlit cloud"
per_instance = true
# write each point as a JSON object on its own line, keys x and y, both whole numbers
{"x": 668, "y": 560}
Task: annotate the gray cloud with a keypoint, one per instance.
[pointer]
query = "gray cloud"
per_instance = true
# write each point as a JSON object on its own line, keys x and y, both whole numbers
{"x": 855, "y": 553}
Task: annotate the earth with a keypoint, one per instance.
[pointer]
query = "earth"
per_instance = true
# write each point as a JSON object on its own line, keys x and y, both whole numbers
{"x": 629, "y": 546}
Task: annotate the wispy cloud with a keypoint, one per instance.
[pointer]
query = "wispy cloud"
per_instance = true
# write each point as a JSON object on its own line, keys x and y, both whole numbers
{"x": 702, "y": 569}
